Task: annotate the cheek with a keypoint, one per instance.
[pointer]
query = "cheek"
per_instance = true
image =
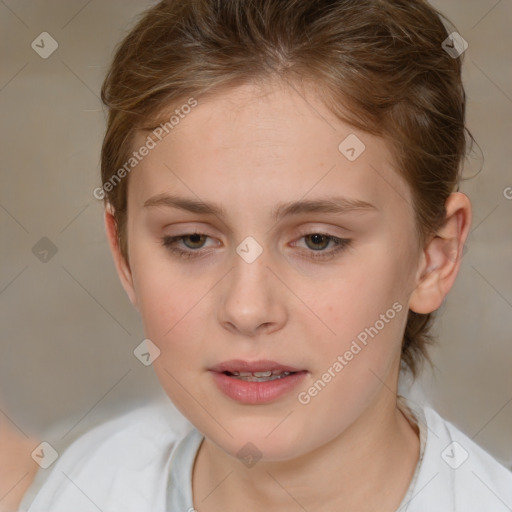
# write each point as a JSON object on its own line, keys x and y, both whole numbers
{"x": 158, "y": 298}
{"x": 173, "y": 305}
{"x": 367, "y": 316}
{"x": 365, "y": 310}
{"x": 171, "y": 310}
{"x": 169, "y": 304}
{"x": 362, "y": 290}
{"x": 163, "y": 293}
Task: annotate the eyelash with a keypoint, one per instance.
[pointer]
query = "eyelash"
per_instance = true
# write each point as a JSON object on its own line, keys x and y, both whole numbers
{"x": 169, "y": 243}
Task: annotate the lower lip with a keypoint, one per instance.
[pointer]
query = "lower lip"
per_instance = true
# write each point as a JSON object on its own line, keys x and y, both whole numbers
{"x": 254, "y": 393}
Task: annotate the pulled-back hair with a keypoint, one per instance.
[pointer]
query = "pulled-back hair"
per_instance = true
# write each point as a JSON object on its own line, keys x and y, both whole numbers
{"x": 377, "y": 64}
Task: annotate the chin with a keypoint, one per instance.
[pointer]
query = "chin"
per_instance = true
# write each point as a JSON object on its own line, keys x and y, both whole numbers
{"x": 251, "y": 443}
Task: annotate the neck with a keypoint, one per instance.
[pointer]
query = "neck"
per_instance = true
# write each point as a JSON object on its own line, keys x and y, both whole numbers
{"x": 367, "y": 467}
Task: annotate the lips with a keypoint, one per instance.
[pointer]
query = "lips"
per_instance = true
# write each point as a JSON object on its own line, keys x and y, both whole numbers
{"x": 256, "y": 382}
{"x": 240, "y": 366}
{"x": 259, "y": 376}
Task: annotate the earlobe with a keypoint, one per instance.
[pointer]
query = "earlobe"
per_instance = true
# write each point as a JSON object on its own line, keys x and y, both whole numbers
{"x": 122, "y": 266}
{"x": 442, "y": 256}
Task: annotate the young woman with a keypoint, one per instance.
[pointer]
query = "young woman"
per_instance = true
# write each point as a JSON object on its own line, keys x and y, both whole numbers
{"x": 280, "y": 181}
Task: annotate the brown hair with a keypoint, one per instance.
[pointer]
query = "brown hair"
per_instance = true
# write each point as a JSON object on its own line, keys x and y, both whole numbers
{"x": 378, "y": 64}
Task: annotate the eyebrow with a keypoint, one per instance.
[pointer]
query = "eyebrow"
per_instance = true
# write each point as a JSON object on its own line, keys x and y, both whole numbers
{"x": 335, "y": 204}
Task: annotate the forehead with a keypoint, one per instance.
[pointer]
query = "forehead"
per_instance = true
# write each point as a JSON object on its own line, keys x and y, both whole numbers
{"x": 258, "y": 145}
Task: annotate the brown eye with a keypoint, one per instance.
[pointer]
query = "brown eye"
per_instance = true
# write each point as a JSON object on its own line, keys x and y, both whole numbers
{"x": 197, "y": 240}
{"x": 193, "y": 243}
{"x": 322, "y": 246}
{"x": 318, "y": 241}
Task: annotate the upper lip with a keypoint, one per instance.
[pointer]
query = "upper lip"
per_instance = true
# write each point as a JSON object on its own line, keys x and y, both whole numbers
{"x": 238, "y": 365}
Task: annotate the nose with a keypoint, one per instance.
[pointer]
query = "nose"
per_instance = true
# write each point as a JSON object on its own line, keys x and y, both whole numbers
{"x": 252, "y": 300}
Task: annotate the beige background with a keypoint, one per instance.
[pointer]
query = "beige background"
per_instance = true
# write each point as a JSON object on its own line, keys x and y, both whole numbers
{"x": 67, "y": 329}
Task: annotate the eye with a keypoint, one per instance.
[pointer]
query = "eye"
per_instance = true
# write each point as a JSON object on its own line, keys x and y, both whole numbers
{"x": 318, "y": 242}
{"x": 197, "y": 241}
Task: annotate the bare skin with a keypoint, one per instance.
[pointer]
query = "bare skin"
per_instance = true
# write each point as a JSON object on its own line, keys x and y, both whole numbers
{"x": 17, "y": 469}
{"x": 348, "y": 448}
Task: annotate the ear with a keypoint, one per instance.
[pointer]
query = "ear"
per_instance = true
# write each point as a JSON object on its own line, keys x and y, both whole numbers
{"x": 122, "y": 266}
{"x": 440, "y": 260}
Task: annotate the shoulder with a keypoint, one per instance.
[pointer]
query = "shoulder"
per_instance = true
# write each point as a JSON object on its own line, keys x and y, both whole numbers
{"x": 119, "y": 465}
{"x": 458, "y": 474}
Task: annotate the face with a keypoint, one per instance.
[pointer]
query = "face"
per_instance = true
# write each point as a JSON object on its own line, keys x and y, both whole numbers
{"x": 319, "y": 290}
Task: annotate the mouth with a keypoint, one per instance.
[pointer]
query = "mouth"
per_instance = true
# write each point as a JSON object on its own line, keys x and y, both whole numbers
{"x": 256, "y": 382}
{"x": 264, "y": 376}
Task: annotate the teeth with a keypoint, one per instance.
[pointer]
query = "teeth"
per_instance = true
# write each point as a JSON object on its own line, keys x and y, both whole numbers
{"x": 260, "y": 376}
{"x": 279, "y": 372}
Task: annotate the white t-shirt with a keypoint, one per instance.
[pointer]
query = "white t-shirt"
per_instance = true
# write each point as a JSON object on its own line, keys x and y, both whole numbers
{"x": 142, "y": 462}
